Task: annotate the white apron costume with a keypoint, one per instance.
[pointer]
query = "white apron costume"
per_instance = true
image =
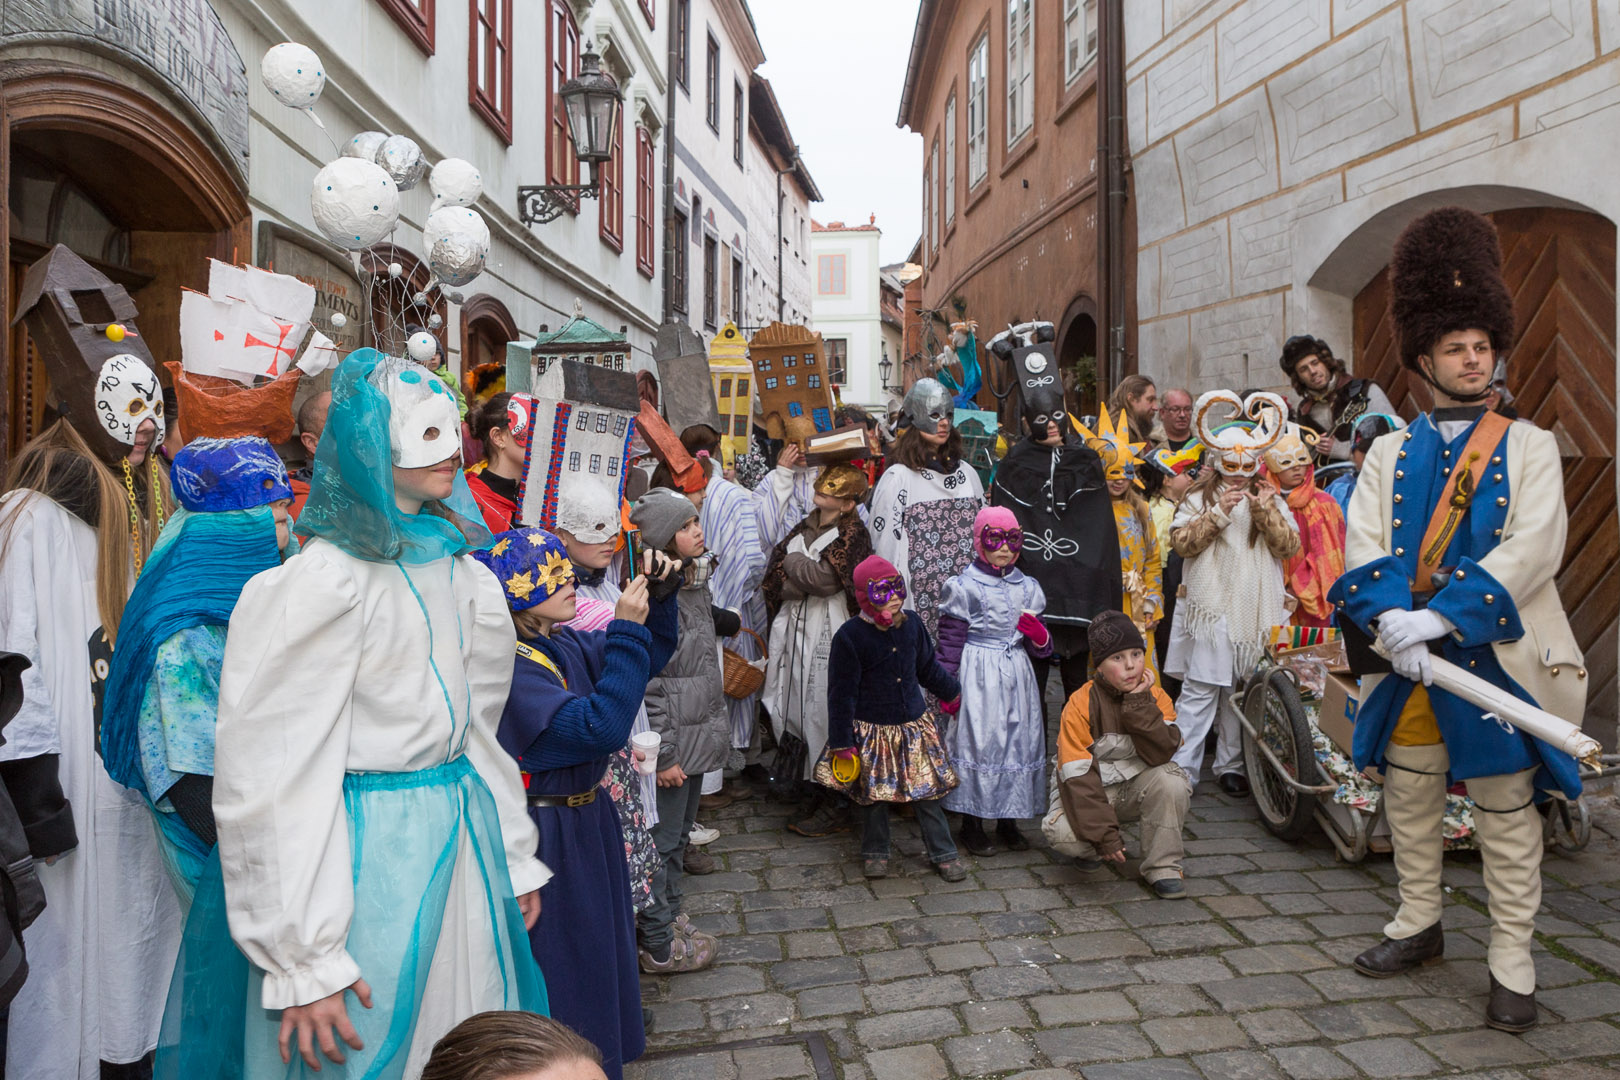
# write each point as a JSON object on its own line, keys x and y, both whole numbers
{"x": 795, "y": 692}
{"x": 101, "y": 953}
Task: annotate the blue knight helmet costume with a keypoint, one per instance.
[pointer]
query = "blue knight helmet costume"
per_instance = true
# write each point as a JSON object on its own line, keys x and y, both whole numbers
{"x": 1455, "y": 532}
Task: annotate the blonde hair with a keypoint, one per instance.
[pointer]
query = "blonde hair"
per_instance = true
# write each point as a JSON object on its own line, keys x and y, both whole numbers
{"x": 1140, "y": 507}
{"x": 59, "y": 463}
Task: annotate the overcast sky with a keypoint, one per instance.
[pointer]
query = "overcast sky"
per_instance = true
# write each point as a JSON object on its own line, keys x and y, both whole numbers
{"x": 836, "y": 67}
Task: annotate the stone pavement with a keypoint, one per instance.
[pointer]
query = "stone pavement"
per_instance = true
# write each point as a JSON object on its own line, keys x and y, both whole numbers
{"x": 1031, "y": 969}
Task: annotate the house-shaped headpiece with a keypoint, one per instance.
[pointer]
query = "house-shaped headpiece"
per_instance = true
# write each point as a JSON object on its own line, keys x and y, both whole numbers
{"x": 733, "y": 379}
{"x": 583, "y": 424}
{"x": 790, "y": 374}
{"x": 683, "y": 377}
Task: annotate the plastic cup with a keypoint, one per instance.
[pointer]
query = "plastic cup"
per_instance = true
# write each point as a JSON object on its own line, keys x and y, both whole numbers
{"x": 647, "y": 742}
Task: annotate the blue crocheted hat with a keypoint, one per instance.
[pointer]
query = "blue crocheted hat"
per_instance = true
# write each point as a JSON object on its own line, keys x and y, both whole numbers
{"x": 531, "y": 565}
{"x": 214, "y": 475}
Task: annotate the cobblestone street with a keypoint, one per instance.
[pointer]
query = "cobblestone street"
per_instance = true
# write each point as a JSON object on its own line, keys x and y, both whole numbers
{"x": 1031, "y": 969}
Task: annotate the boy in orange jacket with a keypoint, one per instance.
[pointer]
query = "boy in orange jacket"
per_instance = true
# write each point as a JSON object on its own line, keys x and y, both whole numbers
{"x": 1114, "y": 748}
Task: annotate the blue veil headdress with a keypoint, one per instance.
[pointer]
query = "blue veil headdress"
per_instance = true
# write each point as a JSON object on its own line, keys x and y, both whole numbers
{"x": 351, "y": 496}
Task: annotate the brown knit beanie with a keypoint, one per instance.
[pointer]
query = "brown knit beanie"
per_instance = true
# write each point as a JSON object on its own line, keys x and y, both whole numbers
{"x": 1112, "y": 632}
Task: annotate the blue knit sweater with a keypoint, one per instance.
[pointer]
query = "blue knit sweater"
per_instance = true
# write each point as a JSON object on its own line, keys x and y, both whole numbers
{"x": 562, "y": 736}
{"x": 878, "y": 676}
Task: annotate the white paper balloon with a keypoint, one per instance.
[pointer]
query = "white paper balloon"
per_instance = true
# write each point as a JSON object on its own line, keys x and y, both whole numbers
{"x": 365, "y": 145}
{"x": 434, "y": 321}
{"x": 422, "y": 347}
{"x": 403, "y": 160}
{"x": 339, "y": 320}
{"x": 354, "y": 202}
{"x": 293, "y": 73}
{"x": 454, "y": 182}
{"x": 395, "y": 270}
{"x": 458, "y": 244}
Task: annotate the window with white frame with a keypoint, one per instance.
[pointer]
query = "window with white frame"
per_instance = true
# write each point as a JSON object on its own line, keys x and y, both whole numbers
{"x": 978, "y": 110}
{"x": 933, "y": 186}
{"x": 1079, "y": 36}
{"x": 950, "y": 158}
{"x": 929, "y": 240}
{"x": 1020, "y": 68}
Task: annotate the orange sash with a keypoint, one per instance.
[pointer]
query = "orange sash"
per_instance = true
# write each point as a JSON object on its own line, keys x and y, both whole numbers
{"x": 1456, "y": 497}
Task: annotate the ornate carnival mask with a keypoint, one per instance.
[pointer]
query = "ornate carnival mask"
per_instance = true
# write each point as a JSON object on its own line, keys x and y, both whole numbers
{"x": 424, "y": 426}
{"x": 1112, "y": 441}
{"x": 1235, "y": 447}
{"x": 927, "y": 403}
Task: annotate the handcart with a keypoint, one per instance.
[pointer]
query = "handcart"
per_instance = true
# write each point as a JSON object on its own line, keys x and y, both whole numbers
{"x": 1293, "y": 793}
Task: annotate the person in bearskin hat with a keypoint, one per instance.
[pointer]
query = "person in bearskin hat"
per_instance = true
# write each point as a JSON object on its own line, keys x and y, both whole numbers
{"x": 1329, "y": 401}
{"x": 1450, "y": 530}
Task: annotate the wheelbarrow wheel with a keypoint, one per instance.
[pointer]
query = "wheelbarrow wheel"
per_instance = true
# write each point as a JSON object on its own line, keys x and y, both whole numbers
{"x": 1566, "y": 825}
{"x": 1274, "y": 709}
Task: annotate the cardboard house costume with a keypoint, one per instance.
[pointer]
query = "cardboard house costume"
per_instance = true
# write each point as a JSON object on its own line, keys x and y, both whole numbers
{"x": 683, "y": 375}
{"x": 733, "y": 378}
{"x": 579, "y": 339}
{"x": 583, "y": 423}
{"x": 790, "y": 373}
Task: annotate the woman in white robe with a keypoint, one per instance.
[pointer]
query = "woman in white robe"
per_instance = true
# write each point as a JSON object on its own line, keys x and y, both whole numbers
{"x": 375, "y": 849}
{"x": 101, "y": 952}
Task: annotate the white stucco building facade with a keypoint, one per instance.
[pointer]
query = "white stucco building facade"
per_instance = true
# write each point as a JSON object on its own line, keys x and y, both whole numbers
{"x": 778, "y": 248}
{"x": 848, "y": 307}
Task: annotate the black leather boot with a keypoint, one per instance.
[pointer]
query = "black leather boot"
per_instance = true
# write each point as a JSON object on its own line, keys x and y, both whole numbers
{"x": 1393, "y": 956}
{"x": 1508, "y": 1011}
{"x": 974, "y": 839}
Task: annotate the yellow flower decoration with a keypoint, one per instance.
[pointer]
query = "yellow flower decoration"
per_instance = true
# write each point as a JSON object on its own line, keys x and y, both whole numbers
{"x": 500, "y": 548}
{"x": 519, "y": 586}
{"x": 555, "y": 573}
{"x": 537, "y": 538}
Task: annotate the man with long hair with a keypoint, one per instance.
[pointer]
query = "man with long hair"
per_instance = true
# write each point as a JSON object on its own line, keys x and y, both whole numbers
{"x": 1328, "y": 401}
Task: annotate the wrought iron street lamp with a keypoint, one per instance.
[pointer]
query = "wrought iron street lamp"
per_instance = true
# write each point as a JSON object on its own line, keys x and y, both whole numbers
{"x": 592, "y": 104}
{"x": 885, "y": 368}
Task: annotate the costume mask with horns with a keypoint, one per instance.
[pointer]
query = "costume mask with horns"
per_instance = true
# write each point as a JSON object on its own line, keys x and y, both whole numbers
{"x": 1235, "y": 447}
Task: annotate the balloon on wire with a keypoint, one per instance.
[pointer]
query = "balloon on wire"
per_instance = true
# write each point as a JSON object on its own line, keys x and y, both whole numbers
{"x": 454, "y": 182}
{"x": 365, "y": 145}
{"x": 458, "y": 244}
{"x": 402, "y": 159}
{"x": 355, "y": 203}
{"x": 295, "y": 77}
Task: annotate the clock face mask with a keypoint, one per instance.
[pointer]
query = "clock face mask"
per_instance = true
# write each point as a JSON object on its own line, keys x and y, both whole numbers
{"x": 127, "y": 395}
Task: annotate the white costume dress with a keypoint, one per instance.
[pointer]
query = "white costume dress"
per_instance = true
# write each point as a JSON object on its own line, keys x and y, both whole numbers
{"x": 795, "y": 692}
{"x": 922, "y": 522}
{"x": 336, "y": 734}
{"x": 100, "y": 954}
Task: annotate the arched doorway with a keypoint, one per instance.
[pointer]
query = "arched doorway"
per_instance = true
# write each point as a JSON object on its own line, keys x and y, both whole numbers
{"x": 486, "y": 327}
{"x": 1560, "y": 266}
{"x": 1077, "y": 355}
{"x": 393, "y": 300}
{"x": 118, "y": 177}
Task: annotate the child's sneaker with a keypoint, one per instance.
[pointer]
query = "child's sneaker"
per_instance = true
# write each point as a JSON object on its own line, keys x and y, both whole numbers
{"x": 1170, "y": 888}
{"x": 698, "y": 862}
{"x": 875, "y": 867}
{"x": 702, "y": 834}
{"x": 955, "y": 870}
{"x": 685, "y": 954}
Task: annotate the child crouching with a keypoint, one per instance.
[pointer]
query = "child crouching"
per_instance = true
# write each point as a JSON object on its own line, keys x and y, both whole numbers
{"x": 877, "y": 722}
{"x": 1114, "y": 763}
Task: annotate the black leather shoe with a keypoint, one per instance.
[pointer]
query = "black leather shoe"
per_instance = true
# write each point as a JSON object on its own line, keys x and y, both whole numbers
{"x": 1392, "y": 956}
{"x": 1508, "y": 1011}
{"x": 1234, "y": 784}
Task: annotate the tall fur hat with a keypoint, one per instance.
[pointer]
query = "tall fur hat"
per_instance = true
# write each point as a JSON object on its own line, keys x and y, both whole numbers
{"x": 1445, "y": 276}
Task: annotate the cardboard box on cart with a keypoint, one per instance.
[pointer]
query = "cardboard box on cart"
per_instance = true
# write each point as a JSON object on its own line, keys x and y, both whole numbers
{"x": 1341, "y": 698}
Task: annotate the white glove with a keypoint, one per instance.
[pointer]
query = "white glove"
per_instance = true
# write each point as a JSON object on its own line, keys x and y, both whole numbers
{"x": 1399, "y": 629}
{"x": 1412, "y": 663}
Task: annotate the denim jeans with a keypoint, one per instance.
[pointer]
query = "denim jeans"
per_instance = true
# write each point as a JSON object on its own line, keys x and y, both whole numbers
{"x": 677, "y": 809}
{"x": 936, "y": 831}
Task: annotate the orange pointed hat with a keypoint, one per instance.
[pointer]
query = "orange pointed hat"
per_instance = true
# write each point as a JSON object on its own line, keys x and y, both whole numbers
{"x": 688, "y": 471}
{"x": 1112, "y": 441}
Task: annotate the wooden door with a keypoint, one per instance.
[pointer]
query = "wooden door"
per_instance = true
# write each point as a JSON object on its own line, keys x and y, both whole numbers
{"x": 1560, "y": 267}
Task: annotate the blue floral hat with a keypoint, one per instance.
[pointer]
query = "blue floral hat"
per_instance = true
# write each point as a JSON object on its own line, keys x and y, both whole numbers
{"x": 531, "y": 565}
{"x": 214, "y": 475}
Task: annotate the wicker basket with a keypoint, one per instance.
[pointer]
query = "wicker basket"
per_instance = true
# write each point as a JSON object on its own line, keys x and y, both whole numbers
{"x": 742, "y": 679}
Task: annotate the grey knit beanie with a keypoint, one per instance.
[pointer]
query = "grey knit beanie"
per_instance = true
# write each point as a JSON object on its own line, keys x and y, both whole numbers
{"x": 660, "y": 514}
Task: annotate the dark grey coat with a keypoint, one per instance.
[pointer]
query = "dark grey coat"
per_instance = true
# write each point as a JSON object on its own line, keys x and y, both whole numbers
{"x": 686, "y": 703}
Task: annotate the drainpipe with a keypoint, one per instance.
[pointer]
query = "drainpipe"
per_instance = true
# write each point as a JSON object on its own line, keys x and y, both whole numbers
{"x": 1111, "y": 113}
{"x": 781, "y": 259}
{"x": 670, "y": 239}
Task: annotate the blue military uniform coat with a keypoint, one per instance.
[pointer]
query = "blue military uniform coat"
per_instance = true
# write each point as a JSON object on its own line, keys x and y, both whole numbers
{"x": 1510, "y": 625}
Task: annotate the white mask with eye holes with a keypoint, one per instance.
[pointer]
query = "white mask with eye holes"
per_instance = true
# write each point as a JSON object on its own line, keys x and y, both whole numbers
{"x": 424, "y": 426}
{"x": 128, "y": 394}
